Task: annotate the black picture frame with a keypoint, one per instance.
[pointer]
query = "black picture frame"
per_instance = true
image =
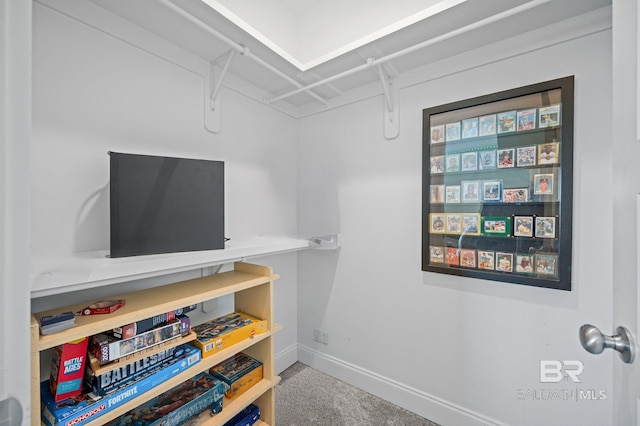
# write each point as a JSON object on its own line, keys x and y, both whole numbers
{"x": 538, "y": 119}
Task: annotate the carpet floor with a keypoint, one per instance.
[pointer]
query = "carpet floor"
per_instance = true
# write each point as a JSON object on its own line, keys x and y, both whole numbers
{"x": 306, "y": 397}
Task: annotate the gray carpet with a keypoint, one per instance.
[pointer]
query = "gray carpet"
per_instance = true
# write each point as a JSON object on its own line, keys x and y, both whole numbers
{"x": 306, "y": 397}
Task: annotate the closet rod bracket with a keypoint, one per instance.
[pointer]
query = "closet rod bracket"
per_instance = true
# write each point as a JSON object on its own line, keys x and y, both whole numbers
{"x": 212, "y": 92}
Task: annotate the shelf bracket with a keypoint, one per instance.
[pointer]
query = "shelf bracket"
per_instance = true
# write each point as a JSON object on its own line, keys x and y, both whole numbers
{"x": 391, "y": 115}
{"x": 211, "y": 93}
{"x": 325, "y": 242}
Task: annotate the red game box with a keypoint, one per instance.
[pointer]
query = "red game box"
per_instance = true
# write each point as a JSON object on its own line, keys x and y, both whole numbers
{"x": 67, "y": 369}
{"x": 103, "y": 307}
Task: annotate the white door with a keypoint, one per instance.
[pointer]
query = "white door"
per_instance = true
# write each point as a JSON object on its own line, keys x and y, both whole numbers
{"x": 15, "y": 127}
{"x": 626, "y": 208}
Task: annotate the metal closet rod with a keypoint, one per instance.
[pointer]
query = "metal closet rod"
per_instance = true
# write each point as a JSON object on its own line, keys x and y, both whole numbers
{"x": 370, "y": 61}
{"x": 244, "y": 51}
{"x": 373, "y": 61}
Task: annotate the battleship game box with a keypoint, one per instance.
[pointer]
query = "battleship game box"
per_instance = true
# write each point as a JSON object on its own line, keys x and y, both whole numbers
{"x": 113, "y": 380}
{"x": 67, "y": 369}
{"x": 87, "y": 407}
{"x": 178, "y": 404}
{"x": 239, "y": 372}
{"x": 108, "y": 348}
{"x": 139, "y": 327}
{"x": 225, "y": 331}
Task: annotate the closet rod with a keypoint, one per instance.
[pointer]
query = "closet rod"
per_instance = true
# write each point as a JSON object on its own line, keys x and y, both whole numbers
{"x": 244, "y": 51}
{"x": 373, "y": 61}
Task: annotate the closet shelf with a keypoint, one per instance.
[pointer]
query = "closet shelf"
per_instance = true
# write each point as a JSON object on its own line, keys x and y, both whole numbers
{"x": 50, "y": 276}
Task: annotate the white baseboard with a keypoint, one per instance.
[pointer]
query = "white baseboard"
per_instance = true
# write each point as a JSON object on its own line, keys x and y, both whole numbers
{"x": 286, "y": 358}
{"x": 425, "y": 405}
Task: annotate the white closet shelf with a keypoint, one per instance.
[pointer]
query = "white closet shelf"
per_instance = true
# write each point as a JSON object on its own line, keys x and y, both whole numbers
{"x": 86, "y": 270}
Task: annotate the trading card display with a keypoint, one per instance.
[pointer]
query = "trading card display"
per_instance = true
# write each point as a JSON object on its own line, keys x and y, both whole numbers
{"x": 497, "y": 186}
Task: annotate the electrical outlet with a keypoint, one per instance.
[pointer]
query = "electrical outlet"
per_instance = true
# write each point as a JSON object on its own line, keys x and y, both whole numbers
{"x": 320, "y": 337}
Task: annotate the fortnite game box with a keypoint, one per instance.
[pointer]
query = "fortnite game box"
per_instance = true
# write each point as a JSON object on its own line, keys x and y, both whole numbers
{"x": 180, "y": 403}
{"x": 108, "y": 348}
{"x": 139, "y": 327}
{"x": 239, "y": 372}
{"x": 67, "y": 369}
{"x": 87, "y": 407}
{"x": 225, "y": 331}
{"x": 113, "y": 380}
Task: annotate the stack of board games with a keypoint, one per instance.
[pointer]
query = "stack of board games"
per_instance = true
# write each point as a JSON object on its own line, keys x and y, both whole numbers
{"x": 112, "y": 379}
{"x": 225, "y": 331}
{"x": 129, "y": 330}
{"x": 108, "y": 348}
{"x": 246, "y": 417}
{"x": 88, "y": 406}
{"x": 239, "y": 372}
{"x": 178, "y": 404}
{"x": 50, "y": 324}
{"x": 67, "y": 369}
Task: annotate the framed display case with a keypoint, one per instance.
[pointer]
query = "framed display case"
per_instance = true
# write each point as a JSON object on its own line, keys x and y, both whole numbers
{"x": 497, "y": 186}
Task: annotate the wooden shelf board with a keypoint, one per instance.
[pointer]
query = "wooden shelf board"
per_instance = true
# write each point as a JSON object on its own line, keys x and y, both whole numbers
{"x": 149, "y": 302}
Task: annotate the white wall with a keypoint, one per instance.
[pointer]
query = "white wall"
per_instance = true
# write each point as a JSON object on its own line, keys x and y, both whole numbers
{"x": 15, "y": 128}
{"x": 453, "y": 349}
{"x": 467, "y": 346}
{"x": 94, "y": 92}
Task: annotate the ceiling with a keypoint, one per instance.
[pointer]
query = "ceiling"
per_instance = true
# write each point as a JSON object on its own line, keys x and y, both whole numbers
{"x": 309, "y": 33}
{"x": 311, "y": 40}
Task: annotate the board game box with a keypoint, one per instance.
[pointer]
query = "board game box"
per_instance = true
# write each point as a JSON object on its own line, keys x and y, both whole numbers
{"x": 108, "y": 348}
{"x": 173, "y": 407}
{"x": 67, "y": 369}
{"x": 246, "y": 417}
{"x": 103, "y": 307}
{"x": 129, "y": 330}
{"x": 111, "y": 381}
{"x": 87, "y": 407}
{"x": 225, "y": 331}
{"x": 50, "y": 324}
{"x": 239, "y": 372}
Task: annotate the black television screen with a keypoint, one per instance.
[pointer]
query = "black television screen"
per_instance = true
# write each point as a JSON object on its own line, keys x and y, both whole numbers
{"x": 165, "y": 204}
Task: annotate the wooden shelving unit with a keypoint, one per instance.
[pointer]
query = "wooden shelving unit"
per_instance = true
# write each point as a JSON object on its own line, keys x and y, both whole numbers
{"x": 252, "y": 286}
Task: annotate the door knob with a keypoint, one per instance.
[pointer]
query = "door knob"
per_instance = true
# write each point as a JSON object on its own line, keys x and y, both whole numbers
{"x": 595, "y": 342}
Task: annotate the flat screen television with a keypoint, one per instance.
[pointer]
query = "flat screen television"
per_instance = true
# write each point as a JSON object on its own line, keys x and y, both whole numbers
{"x": 165, "y": 204}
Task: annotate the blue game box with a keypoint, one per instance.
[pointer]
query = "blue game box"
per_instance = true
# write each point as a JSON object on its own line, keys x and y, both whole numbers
{"x": 87, "y": 407}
